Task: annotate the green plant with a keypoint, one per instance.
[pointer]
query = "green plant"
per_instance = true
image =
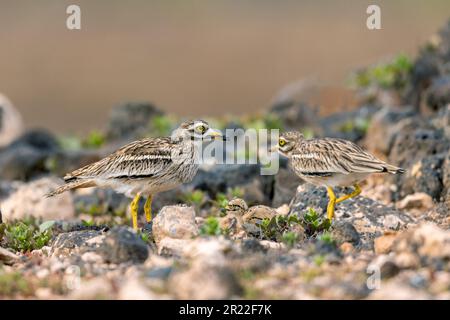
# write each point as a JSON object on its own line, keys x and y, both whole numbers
{"x": 71, "y": 143}
{"x": 145, "y": 237}
{"x": 23, "y": 237}
{"x": 12, "y": 283}
{"x": 211, "y": 227}
{"x": 279, "y": 227}
{"x": 358, "y": 124}
{"x": 95, "y": 139}
{"x": 236, "y": 192}
{"x": 161, "y": 125}
{"x": 289, "y": 238}
{"x": 88, "y": 223}
{"x": 393, "y": 74}
{"x": 271, "y": 121}
{"x": 221, "y": 200}
{"x": 196, "y": 197}
{"x": 326, "y": 237}
{"x": 314, "y": 223}
{"x": 319, "y": 259}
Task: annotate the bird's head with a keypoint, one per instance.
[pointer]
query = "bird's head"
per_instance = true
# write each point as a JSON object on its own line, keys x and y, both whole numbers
{"x": 287, "y": 142}
{"x": 237, "y": 205}
{"x": 196, "y": 130}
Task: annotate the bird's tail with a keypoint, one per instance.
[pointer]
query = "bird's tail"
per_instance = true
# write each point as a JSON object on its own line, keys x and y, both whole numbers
{"x": 393, "y": 169}
{"x": 69, "y": 186}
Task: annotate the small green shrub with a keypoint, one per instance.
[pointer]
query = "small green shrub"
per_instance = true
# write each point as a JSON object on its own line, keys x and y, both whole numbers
{"x": 313, "y": 223}
{"x": 161, "y": 125}
{"x": 327, "y": 238}
{"x": 196, "y": 197}
{"x": 211, "y": 227}
{"x": 394, "y": 74}
{"x": 94, "y": 140}
{"x": 24, "y": 237}
{"x": 289, "y": 238}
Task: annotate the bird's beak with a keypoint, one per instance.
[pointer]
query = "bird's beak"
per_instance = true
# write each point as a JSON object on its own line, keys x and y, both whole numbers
{"x": 274, "y": 148}
{"x": 215, "y": 134}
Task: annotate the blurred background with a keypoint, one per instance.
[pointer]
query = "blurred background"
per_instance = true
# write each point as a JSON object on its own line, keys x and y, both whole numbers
{"x": 193, "y": 58}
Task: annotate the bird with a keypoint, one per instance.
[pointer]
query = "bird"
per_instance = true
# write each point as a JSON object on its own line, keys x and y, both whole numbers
{"x": 145, "y": 167}
{"x": 330, "y": 162}
{"x": 246, "y": 216}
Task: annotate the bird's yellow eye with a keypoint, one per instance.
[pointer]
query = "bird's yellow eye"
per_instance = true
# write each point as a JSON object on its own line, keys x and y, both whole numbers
{"x": 201, "y": 129}
{"x": 281, "y": 142}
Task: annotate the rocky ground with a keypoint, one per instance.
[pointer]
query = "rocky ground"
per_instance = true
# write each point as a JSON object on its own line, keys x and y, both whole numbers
{"x": 392, "y": 242}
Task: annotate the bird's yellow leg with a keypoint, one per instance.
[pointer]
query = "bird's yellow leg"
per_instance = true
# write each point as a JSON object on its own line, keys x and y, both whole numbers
{"x": 331, "y": 203}
{"x": 148, "y": 209}
{"x": 134, "y": 210}
{"x": 355, "y": 192}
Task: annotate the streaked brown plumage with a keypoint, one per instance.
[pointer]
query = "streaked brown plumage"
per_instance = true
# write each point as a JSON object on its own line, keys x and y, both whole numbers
{"x": 147, "y": 166}
{"x": 331, "y": 162}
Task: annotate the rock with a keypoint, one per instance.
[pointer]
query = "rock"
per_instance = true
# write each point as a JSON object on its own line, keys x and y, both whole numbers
{"x": 172, "y": 247}
{"x": 205, "y": 282}
{"x": 416, "y": 140}
{"x": 68, "y": 242}
{"x": 221, "y": 178}
{"x": 425, "y": 176}
{"x": 397, "y": 291}
{"x": 252, "y": 245}
{"x": 65, "y": 161}
{"x": 294, "y": 116}
{"x": 176, "y": 222}
{"x": 26, "y": 156}
{"x": 134, "y": 289}
{"x": 420, "y": 149}
{"x": 416, "y": 204}
{"x": 29, "y": 200}
{"x": 384, "y": 243}
{"x": 8, "y": 257}
{"x": 446, "y": 173}
{"x": 427, "y": 245}
{"x": 346, "y": 247}
{"x": 345, "y": 232}
{"x": 97, "y": 288}
{"x": 209, "y": 251}
{"x": 438, "y": 94}
{"x": 383, "y": 127}
{"x": 348, "y": 125}
{"x": 130, "y": 120}
{"x": 368, "y": 217}
{"x": 11, "y": 124}
{"x": 123, "y": 245}
{"x": 285, "y": 184}
{"x": 426, "y": 67}
{"x": 389, "y": 269}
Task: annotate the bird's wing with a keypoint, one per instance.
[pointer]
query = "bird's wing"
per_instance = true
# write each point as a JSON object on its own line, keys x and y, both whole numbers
{"x": 327, "y": 156}
{"x": 138, "y": 159}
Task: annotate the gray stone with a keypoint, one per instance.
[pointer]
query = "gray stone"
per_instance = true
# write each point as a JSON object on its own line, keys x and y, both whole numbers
{"x": 29, "y": 200}
{"x": 8, "y": 257}
{"x": 365, "y": 215}
{"x": 285, "y": 186}
{"x": 123, "y": 245}
{"x": 205, "y": 282}
{"x": 438, "y": 94}
{"x": 295, "y": 116}
{"x": 345, "y": 232}
{"x": 131, "y": 119}
{"x": 26, "y": 156}
{"x": 383, "y": 127}
{"x": 176, "y": 222}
